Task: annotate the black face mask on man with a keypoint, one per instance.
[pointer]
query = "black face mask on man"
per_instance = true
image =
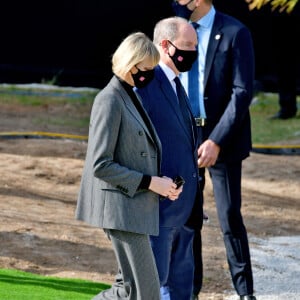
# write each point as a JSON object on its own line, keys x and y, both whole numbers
{"x": 142, "y": 78}
{"x": 182, "y": 10}
{"x": 183, "y": 59}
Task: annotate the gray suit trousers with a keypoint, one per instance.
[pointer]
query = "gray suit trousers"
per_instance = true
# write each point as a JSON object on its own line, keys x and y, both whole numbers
{"x": 138, "y": 277}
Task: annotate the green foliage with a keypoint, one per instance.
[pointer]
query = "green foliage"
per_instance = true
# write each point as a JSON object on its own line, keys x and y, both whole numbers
{"x": 266, "y": 130}
{"x": 17, "y": 285}
{"x": 282, "y": 5}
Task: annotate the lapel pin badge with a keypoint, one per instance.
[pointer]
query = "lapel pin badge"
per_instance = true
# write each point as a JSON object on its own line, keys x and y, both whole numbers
{"x": 218, "y": 36}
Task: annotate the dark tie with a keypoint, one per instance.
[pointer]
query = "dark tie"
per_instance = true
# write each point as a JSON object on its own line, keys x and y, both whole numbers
{"x": 182, "y": 100}
{"x": 193, "y": 87}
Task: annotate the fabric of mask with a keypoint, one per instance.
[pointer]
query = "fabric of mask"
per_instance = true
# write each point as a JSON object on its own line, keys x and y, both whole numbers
{"x": 181, "y": 10}
{"x": 142, "y": 78}
{"x": 183, "y": 59}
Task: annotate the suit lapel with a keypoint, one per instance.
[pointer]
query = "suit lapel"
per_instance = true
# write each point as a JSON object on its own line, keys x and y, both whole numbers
{"x": 133, "y": 110}
{"x": 155, "y": 137}
{"x": 214, "y": 40}
{"x": 171, "y": 97}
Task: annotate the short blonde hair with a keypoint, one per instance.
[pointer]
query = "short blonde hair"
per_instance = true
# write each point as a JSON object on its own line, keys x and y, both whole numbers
{"x": 134, "y": 48}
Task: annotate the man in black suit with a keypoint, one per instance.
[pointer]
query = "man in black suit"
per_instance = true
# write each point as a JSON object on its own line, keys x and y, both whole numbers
{"x": 220, "y": 98}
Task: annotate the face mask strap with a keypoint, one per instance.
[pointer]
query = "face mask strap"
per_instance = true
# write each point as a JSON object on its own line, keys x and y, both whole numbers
{"x": 172, "y": 44}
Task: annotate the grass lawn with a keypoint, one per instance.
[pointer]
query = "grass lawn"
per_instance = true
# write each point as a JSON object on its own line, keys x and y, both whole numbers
{"x": 264, "y": 130}
{"x": 17, "y": 285}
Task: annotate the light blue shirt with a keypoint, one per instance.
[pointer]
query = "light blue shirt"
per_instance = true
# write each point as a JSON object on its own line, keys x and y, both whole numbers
{"x": 203, "y": 33}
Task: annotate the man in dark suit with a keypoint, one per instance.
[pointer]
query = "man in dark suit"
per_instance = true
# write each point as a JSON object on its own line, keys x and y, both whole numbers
{"x": 167, "y": 105}
{"x": 220, "y": 98}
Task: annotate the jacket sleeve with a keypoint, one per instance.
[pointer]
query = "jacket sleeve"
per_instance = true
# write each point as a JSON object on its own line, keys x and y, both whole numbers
{"x": 241, "y": 82}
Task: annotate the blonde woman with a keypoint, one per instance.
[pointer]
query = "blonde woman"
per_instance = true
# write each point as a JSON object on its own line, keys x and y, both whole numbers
{"x": 120, "y": 185}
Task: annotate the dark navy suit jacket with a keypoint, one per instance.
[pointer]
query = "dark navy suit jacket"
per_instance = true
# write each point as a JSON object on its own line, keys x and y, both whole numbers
{"x": 228, "y": 88}
{"x": 179, "y": 151}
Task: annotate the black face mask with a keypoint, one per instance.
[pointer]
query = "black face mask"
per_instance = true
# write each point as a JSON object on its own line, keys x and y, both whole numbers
{"x": 182, "y": 10}
{"x": 142, "y": 78}
{"x": 183, "y": 59}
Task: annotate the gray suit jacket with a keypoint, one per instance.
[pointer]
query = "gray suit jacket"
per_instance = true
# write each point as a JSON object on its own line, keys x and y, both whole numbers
{"x": 120, "y": 151}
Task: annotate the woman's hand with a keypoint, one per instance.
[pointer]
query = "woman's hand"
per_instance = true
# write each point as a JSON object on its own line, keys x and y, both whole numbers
{"x": 165, "y": 187}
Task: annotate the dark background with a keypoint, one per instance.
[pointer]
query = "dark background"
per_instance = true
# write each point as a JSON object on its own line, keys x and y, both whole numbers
{"x": 70, "y": 42}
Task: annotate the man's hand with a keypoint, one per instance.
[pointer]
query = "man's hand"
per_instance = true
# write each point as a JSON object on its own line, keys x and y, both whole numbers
{"x": 208, "y": 153}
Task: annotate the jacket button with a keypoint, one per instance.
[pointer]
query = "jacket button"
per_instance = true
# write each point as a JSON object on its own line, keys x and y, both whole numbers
{"x": 141, "y": 133}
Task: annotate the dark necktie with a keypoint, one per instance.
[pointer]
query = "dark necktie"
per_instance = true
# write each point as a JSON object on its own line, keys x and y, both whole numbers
{"x": 193, "y": 84}
{"x": 182, "y": 100}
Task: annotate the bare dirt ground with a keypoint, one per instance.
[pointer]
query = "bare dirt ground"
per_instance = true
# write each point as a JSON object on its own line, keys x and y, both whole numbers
{"x": 39, "y": 181}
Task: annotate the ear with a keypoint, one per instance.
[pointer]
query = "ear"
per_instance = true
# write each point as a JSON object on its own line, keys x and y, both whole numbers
{"x": 165, "y": 45}
{"x": 197, "y": 3}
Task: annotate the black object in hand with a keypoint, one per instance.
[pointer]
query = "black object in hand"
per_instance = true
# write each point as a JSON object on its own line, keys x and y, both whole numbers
{"x": 179, "y": 181}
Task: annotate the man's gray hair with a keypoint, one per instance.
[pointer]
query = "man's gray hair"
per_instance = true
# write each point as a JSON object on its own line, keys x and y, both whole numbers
{"x": 167, "y": 29}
